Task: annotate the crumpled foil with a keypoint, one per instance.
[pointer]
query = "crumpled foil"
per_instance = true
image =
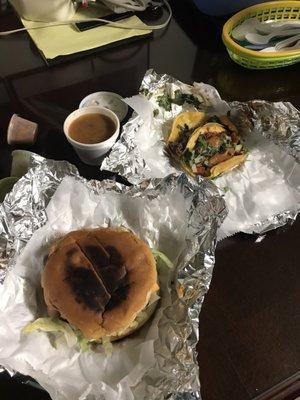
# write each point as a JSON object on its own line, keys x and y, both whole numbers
{"x": 279, "y": 122}
{"x": 264, "y": 126}
{"x": 23, "y": 210}
{"x": 139, "y": 153}
{"x": 186, "y": 225}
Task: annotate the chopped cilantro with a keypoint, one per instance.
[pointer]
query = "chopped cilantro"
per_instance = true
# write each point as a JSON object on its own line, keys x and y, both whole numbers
{"x": 187, "y": 156}
{"x": 201, "y": 142}
{"x": 212, "y": 150}
{"x": 155, "y": 112}
{"x": 214, "y": 119}
{"x": 208, "y": 151}
{"x": 226, "y": 189}
{"x": 180, "y": 98}
{"x": 144, "y": 91}
{"x": 165, "y": 102}
{"x": 223, "y": 147}
{"x": 185, "y": 133}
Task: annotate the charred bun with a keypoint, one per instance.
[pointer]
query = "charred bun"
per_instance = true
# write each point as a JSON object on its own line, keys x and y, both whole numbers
{"x": 100, "y": 281}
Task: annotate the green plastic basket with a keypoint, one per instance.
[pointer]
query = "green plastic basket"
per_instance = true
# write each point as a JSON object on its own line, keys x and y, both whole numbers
{"x": 275, "y": 10}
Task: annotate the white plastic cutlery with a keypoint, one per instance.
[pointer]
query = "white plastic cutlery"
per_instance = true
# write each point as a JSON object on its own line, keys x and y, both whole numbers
{"x": 253, "y": 25}
{"x": 285, "y": 43}
{"x": 296, "y": 46}
{"x": 256, "y": 38}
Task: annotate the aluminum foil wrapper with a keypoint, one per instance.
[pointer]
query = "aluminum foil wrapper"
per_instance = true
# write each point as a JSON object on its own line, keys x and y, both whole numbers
{"x": 262, "y": 194}
{"x": 279, "y": 122}
{"x": 24, "y": 208}
{"x": 175, "y": 215}
{"x": 139, "y": 153}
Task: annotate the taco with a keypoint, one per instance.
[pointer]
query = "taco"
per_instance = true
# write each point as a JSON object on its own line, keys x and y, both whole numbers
{"x": 213, "y": 149}
{"x": 182, "y": 128}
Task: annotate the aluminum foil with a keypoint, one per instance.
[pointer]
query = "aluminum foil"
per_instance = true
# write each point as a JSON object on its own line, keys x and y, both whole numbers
{"x": 279, "y": 122}
{"x": 191, "y": 211}
{"x": 265, "y": 127}
{"x": 139, "y": 153}
{"x": 23, "y": 209}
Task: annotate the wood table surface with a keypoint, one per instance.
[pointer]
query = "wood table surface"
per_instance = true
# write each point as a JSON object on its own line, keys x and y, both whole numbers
{"x": 249, "y": 345}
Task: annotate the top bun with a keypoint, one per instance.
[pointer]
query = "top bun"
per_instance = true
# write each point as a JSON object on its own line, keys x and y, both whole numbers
{"x": 99, "y": 280}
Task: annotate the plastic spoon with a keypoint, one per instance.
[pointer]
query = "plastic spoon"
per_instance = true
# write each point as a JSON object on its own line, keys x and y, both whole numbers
{"x": 294, "y": 47}
{"x": 256, "y": 38}
{"x": 284, "y": 43}
{"x": 253, "y": 25}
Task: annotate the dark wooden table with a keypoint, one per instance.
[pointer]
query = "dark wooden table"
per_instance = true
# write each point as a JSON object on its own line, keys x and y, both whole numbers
{"x": 249, "y": 345}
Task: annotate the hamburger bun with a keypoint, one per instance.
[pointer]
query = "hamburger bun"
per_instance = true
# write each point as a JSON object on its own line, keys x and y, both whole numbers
{"x": 101, "y": 281}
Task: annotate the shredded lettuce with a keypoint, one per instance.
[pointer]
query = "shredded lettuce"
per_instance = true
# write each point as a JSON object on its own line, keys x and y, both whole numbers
{"x": 84, "y": 343}
{"x": 62, "y": 330}
{"x": 108, "y": 347}
{"x": 159, "y": 256}
{"x": 52, "y": 325}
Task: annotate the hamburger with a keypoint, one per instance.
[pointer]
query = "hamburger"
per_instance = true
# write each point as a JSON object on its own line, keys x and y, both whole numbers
{"x": 205, "y": 146}
{"x": 101, "y": 281}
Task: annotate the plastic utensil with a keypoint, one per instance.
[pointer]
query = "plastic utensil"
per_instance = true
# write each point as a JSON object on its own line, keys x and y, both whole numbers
{"x": 257, "y": 47}
{"x": 287, "y": 48}
{"x": 270, "y": 12}
{"x": 296, "y": 46}
{"x": 253, "y": 25}
{"x": 279, "y": 45}
{"x": 256, "y": 38}
{"x": 285, "y": 43}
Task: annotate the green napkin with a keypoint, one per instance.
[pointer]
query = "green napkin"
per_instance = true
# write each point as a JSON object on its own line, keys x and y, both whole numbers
{"x": 66, "y": 39}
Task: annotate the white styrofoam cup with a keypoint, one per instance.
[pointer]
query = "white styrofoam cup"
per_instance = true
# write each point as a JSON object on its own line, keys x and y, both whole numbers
{"x": 92, "y": 154}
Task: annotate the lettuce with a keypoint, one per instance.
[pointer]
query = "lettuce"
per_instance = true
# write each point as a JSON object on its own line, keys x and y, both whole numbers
{"x": 52, "y": 325}
{"x": 159, "y": 256}
{"x": 108, "y": 347}
{"x": 84, "y": 343}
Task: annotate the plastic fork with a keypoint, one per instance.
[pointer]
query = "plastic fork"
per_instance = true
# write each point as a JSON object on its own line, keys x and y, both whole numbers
{"x": 285, "y": 43}
{"x": 256, "y": 38}
{"x": 253, "y": 25}
{"x": 286, "y": 48}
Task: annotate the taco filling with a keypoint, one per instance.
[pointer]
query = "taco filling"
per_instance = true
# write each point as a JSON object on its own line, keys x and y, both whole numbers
{"x": 210, "y": 149}
{"x": 182, "y": 128}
